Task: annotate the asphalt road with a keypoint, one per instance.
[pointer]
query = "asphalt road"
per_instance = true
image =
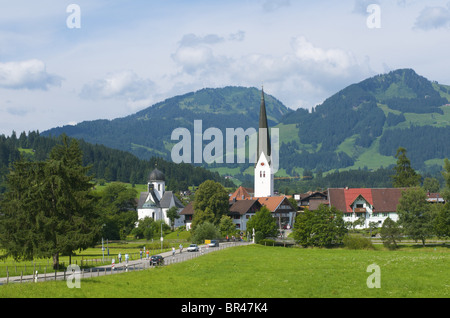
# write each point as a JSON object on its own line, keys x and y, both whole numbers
{"x": 122, "y": 267}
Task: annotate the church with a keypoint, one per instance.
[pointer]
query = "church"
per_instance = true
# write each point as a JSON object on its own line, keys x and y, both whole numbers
{"x": 156, "y": 201}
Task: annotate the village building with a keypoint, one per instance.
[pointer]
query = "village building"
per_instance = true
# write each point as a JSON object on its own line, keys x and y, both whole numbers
{"x": 372, "y": 205}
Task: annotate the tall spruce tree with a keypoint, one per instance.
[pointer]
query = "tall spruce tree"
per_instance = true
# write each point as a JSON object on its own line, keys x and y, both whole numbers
{"x": 48, "y": 208}
{"x": 405, "y": 175}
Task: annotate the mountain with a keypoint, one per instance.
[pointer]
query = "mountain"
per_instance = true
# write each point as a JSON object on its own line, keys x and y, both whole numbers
{"x": 148, "y": 132}
{"x": 364, "y": 124}
{"x": 359, "y": 127}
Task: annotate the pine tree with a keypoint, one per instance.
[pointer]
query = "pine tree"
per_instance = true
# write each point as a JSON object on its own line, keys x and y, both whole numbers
{"x": 405, "y": 175}
{"x": 48, "y": 208}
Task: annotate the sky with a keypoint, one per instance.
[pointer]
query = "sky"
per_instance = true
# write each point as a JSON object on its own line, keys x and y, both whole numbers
{"x": 66, "y": 62}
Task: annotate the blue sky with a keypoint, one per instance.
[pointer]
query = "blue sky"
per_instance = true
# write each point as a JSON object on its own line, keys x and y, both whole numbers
{"x": 128, "y": 55}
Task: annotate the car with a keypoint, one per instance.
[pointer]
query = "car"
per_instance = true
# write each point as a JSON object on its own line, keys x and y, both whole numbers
{"x": 192, "y": 248}
{"x": 214, "y": 243}
{"x": 156, "y": 260}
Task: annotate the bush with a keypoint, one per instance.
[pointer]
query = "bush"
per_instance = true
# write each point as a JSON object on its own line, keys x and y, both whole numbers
{"x": 259, "y": 236}
{"x": 356, "y": 242}
{"x": 267, "y": 242}
{"x": 205, "y": 231}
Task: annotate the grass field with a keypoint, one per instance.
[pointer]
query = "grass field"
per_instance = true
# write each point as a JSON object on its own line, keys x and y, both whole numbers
{"x": 270, "y": 272}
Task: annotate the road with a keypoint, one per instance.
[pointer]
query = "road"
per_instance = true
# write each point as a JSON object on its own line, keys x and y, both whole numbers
{"x": 122, "y": 267}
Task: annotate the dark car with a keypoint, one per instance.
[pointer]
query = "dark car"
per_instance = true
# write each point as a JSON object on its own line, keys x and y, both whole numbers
{"x": 156, "y": 260}
{"x": 214, "y": 243}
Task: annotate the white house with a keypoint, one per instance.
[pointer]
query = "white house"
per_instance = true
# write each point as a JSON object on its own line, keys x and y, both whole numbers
{"x": 373, "y": 205}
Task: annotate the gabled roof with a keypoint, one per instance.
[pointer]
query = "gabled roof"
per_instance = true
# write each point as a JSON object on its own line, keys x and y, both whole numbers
{"x": 188, "y": 209}
{"x": 245, "y": 206}
{"x": 167, "y": 198}
{"x": 240, "y": 194}
{"x": 352, "y": 194}
{"x": 382, "y": 200}
{"x": 272, "y": 203}
{"x": 154, "y": 202}
{"x": 143, "y": 199}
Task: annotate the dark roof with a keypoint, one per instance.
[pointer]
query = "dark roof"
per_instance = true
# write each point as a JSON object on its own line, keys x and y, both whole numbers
{"x": 163, "y": 203}
{"x": 143, "y": 198}
{"x": 188, "y": 209}
{"x": 167, "y": 198}
{"x": 245, "y": 206}
{"x": 263, "y": 132}
{"x": 156, "y": 175}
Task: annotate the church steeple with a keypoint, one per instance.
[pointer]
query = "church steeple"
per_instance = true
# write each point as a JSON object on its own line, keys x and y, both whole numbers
{"x": 264, "y": 180}
{"x": 263, "y": 133}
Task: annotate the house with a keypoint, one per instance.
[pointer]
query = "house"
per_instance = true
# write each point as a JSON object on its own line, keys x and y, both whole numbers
{"x": 187, "y": 214}
{"x": 281, "y": 209}
{"x": 374, "y": 205}
{"x": 240, "y": 212}
{"x": 311, "y": 200}
{"x": 155, "y": 202}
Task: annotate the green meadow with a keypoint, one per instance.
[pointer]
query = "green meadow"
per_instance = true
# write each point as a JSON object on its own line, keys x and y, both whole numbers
{"x": 257, "y": 271}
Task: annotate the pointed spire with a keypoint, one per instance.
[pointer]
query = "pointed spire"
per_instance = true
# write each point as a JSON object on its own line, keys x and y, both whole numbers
{"x": 263, "y": 134}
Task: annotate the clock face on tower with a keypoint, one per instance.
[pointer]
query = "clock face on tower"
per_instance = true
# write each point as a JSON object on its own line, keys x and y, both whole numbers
{"x": 262, "y": 163}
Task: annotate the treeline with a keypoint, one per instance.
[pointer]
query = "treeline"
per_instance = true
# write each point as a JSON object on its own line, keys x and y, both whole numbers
{"x": 106, "y": 163}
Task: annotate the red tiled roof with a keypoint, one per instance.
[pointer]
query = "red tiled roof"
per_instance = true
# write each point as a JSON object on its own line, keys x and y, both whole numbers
{"x": 383, "y": 200}
{"x": 352, "y": 194}
{"x": 240, "y": 194}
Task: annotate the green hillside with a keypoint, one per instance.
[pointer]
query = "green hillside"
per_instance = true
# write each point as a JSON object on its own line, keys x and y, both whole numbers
{"x": 359, "y": 127}
{"x": 364, "y": 124}
{"x": 148, "y": 132}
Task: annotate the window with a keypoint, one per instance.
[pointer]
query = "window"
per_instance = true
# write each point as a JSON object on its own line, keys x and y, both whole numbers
{"x": 264, "y": 174}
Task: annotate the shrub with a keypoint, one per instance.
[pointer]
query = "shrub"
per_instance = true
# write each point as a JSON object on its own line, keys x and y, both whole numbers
{"x": 259, "y": 236}
{"x": 267, "y": 242}
{"x": 356, "y": 242}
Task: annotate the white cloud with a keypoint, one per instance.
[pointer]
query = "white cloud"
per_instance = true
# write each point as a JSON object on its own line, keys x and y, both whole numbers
{"x": 433, "y": 18}
{"x": 30, "y": 74}
{"x": 192, "y": 59}
{"x": 330, "y": 61}
{"x": 122, "y": 85}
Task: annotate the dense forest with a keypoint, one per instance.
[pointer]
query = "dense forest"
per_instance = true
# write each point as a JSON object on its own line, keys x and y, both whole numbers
{"x": 106, "y": 163}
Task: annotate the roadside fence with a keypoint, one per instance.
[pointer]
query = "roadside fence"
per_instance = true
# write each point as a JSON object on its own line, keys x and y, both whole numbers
{"x": 40, "y": 273}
